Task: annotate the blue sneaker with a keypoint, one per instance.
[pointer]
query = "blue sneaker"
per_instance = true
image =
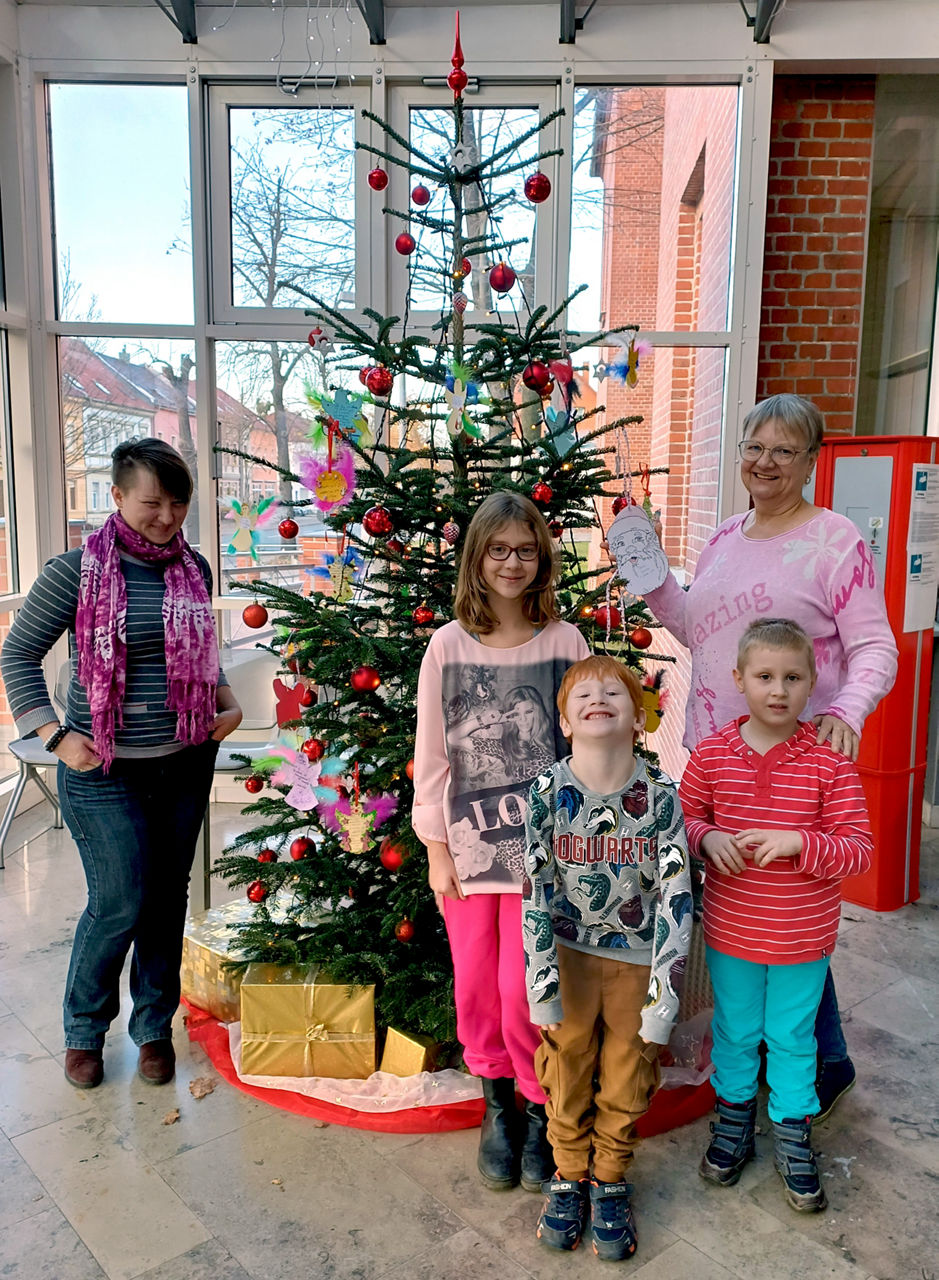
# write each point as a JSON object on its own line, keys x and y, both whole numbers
{"x": 611, "y": 1220}
{"x": 565, "y": 1209}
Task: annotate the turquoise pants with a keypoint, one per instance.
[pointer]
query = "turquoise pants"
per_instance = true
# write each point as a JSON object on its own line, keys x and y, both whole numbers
{"x": 772, "y": 1002}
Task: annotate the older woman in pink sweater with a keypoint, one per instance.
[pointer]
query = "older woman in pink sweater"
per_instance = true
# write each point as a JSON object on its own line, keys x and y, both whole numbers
{"x": 786, "y": 558}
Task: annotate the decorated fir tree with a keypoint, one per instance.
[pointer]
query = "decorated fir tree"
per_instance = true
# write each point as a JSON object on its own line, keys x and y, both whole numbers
{"x": 488, "y": 400}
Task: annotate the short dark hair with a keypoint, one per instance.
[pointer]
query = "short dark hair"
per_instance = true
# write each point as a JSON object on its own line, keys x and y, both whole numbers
{"x": 160, "y": 459}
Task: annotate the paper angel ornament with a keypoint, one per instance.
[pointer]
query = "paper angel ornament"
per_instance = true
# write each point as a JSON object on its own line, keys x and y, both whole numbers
{"x": 331, "y": 479}
{"x": 301, "y": 776}
{"x": 248, "y": 518}
{"x": 640, "y": 560}
{"x": 626, "y": 364}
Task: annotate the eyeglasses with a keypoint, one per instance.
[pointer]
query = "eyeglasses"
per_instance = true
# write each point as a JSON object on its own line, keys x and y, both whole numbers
{"x": 502, "y": 551}
{"x": 782, "y": 455}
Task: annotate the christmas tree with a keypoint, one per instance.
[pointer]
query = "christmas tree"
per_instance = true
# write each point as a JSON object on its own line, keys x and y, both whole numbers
{"x": 488, "y": 399}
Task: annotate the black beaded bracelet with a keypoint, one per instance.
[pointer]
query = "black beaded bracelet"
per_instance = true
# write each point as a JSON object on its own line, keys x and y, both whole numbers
{"x": 55, "y": 738}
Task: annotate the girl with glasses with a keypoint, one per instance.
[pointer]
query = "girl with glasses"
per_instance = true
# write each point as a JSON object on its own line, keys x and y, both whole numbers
{"x": 483, "y": 735}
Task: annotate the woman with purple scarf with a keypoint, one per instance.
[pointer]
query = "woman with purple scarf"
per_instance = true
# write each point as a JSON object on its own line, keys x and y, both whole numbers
{"x": 147, "y": 707}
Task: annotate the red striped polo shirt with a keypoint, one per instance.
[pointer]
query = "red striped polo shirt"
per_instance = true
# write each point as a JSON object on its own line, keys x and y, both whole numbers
{"x": 788, "y": 912}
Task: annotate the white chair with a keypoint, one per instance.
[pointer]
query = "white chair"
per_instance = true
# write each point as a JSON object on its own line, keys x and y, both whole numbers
{"x": 33, "y": 758}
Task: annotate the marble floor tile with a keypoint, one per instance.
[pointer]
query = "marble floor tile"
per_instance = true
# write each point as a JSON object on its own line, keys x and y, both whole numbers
{"x": 881, "y": 1213}
{"x": 46, "y": 1247}
{"x": 465, "y": 1254}
{"x": 22, "y": 1195}
{"x": 126, "y": 1214}
{"x": 908, "y": 1007}
{"x": 207, "y": 1261}
{"x": 321, "y": 1201}
{"x": 681, "y": 1260}
{"x": 857, "y": 977}
{"x": 35, "y": 1093}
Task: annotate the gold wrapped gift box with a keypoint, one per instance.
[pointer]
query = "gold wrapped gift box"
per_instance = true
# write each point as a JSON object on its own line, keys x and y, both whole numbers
{"x": 295, "y": 1022}
{"x": 407, "y": 1054}
{"x": 205, "y": 949}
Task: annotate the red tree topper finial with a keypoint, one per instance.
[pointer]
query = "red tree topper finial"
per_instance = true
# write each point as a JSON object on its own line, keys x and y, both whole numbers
{"x": 457, "y": 79}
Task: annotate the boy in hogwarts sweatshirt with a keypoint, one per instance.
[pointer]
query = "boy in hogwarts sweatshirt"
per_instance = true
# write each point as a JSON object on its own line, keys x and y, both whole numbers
{"x": 606, "y": 921}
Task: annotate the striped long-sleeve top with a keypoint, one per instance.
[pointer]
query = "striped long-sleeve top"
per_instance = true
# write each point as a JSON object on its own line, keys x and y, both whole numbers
{"x": 788, "y": 912}
{"x": 49, "y": 611}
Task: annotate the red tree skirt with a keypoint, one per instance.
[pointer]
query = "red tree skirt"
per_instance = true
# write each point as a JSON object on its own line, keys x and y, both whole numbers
{"x": 668, "y": 1109}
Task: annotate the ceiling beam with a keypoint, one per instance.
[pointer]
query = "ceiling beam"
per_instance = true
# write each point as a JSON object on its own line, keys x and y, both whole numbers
{"x": 183, "y": 18}
{"x": 568, "y": 23}
{"x": 373, "y": 11}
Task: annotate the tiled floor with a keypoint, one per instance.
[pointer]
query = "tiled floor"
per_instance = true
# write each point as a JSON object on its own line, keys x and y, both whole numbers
{"x": 95, "y": 1184}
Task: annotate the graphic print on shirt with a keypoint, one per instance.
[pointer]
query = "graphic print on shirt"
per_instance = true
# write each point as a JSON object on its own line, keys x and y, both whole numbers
{"x": 500, "y": 734}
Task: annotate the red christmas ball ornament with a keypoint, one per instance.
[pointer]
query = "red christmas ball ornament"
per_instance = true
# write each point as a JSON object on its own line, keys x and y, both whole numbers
{"x": 422, "y": 615}
{"x": 537, "y": 187}
{"x": 391, "y": 855}
{"x": 420, "y": 195}
{"x": 395, "y": 546}
{"x": 314, "y": 749}
{"x": 254, "y": 785}
{"x": 541, "y": 492}
{"x": 451, "y": 533}
{"x": 457, "y": 80}
{"x": 365, "y": 679}
{"x": 404, "y": 929}
{"x": 301, "y": 847}
{"x": 257, "y": 891}
{"x": 536, "y": 375}
{"x": 502, "y": 277}
{"x": 377, "y": 179}
{"x": 466, "y": 267}
{"x": 640, "y": 638}
{"x": 377, "y": 522}
{"x": 307, "y": 697}
{"x": 364, "y": 372}
{"x": 380, "y": 380}
{"x": 405, "y": 243}
{"x": 409, "y": 769}
{"x": 254, "y": 615}
{"x": 622, "y": 502}
{"x": 608, "y": 617}
{"x": 556, "y": 528}
{"x": 267, "y": 855}
{"x": 288, "y": 528}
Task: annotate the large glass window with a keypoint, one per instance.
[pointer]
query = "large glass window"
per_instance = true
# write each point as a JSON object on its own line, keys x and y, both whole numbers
{"x": 117, "y": 389}
{"x": 902, "y": 259}
{"x": 653, "y": 202}
{"x": 120, "y": 163}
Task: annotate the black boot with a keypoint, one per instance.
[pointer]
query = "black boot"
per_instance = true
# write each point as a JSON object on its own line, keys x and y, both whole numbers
{"x": 537, "y": 1158}
{"x": 496, "y": 1162}
{"x": 731, "y": 1142}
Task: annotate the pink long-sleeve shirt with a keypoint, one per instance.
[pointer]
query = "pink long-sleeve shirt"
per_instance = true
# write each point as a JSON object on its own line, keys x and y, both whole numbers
{"x": 487, "y": 725}
{"x": 788, "y": 912}
{"x": 820, "y": 575}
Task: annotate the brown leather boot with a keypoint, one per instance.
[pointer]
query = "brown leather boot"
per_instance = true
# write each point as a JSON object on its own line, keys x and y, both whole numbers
{"x": 157, "y": 1062}
{"x": 84, "y": 1068}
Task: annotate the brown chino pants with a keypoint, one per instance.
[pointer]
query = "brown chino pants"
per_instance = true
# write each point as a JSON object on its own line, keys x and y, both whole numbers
{"x": 597, "y": 1073}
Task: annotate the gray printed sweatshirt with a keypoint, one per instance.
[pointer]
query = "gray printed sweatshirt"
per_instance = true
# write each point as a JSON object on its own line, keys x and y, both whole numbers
{"x": 608, "y": 875}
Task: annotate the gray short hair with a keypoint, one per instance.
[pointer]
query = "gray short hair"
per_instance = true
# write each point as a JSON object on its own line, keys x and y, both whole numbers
{"x": 793, "y": 412}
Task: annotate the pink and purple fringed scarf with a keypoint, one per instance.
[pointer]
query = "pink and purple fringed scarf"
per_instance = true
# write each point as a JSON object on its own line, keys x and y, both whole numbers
{"x": 192, "y": 666}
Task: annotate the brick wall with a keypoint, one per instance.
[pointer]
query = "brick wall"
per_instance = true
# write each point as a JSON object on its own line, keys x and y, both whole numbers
{"x": 816, "y": 219}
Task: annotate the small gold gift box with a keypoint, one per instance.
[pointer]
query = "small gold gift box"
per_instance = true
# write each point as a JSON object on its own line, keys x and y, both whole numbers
{"x": 205, "y": 950}
{"x": 295, "y": 1022}
{"x": 407, "y": 1054}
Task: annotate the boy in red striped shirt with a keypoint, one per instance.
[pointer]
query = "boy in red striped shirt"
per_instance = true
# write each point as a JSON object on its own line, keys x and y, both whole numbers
{"x": 780, "y": 821}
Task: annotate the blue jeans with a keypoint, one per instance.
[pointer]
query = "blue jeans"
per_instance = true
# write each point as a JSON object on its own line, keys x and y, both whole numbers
{"x": 828, "y": 1033}
{"x": 772, "y": 1002}
{"x": 136, "y": 829}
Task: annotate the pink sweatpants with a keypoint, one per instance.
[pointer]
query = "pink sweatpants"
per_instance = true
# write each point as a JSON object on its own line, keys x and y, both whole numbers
{"x": 492, "y": 1021}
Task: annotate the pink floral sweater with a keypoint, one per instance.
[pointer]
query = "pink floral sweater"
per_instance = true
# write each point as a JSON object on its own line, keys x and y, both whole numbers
{"x": 487, "y": 725}
{"x": 820, "y": 575}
